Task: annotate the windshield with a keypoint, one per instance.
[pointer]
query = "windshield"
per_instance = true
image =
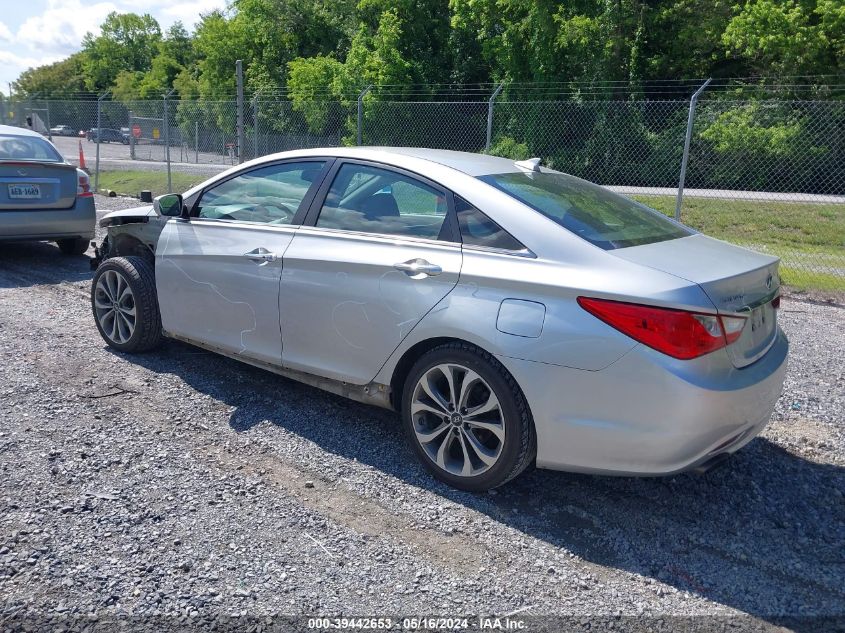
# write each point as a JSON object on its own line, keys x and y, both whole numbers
{"x": 593, "y": 213}
{"x": 27, "y": 148}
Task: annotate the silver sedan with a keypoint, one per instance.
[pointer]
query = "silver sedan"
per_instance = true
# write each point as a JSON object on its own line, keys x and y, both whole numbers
{"x": 512, "y": 314}
{"x": 42, "y": 197}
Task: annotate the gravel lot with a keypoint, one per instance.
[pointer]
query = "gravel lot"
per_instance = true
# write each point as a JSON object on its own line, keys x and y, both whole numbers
{"x": 186, "y": 486}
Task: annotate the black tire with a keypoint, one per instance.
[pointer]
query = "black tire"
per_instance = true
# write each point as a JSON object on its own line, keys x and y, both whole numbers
{"x": 520, "y": 445}
{"x": 140, "y": 276}
{"x": 73, "y": 247}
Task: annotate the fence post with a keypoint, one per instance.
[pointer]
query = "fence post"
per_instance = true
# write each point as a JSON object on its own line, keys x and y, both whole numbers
{"x": 99, "y": 134}
{"x": 47, "y": 107}
{"x": 131, "y": 135}
{"x": 196, "y": 142}
{"x": 167, "y": 138}
{"x": 687, "y": 140}
{"x": 361, "y": 113}
{"x": 255, "y": 123}
{"x": 239, "y": 76}
{"x": 490, "y": 102}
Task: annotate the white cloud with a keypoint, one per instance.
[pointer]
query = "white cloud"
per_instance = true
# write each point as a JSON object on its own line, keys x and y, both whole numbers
{"x": 190, "y": 12}
{"x": 5, "y": 34}
{"x": 12, "y": 64}
{"x": 57, "y": 30}
{"x": 60, "y": 29}
{"x": 7, "y": 58}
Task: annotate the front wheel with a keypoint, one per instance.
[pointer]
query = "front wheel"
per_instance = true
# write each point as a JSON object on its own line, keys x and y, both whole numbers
{"x": 125, "y": 306}
{"x": 466, "y": 418}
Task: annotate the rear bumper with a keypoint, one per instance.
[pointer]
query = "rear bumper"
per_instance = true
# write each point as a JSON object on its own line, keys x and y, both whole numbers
{"x": 48, "y": 224}
{"x": 648, "y": 414}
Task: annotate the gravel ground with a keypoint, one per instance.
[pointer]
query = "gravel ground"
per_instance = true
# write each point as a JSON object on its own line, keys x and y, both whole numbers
{"x": 186, "y": 486}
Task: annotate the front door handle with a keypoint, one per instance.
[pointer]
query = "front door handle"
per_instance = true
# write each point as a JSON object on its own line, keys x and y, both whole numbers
{"x": 418, "y": 268}
{"x": 261, "y": 255}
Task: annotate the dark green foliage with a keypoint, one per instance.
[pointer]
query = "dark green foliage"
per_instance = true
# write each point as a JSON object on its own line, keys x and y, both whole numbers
{"x": 583, "y": 81}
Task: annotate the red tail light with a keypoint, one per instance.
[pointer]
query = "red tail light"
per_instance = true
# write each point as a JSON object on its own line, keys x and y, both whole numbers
{"x": 83, "y": 185}
{"x": 677, "y": 333}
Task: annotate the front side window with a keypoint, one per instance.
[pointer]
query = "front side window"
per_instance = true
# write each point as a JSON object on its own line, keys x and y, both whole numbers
{"x": 373, "y": 200}
{"x": 269, "y": 195}
{"x": 593, "y": 213}
{"x": 27, "y": 148}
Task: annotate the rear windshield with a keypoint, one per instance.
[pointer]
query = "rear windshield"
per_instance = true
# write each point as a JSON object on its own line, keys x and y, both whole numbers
{"x": 593, "y": 213}
{"x": 27, "y": 148}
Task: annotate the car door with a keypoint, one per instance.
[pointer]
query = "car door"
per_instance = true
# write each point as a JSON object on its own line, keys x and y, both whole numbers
{"x": 378, "y": 251}
{"x": 218, "y": 272}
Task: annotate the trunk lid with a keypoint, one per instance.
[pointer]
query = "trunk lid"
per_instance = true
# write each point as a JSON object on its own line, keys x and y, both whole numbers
{"x": 736, "y": 280}
{"x": 37, "y": 185}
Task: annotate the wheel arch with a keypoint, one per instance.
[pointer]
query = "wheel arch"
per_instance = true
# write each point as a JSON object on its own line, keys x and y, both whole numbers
{"x": 403, "y": 366}
{"x": 124, "y": 245}
{"x": 410, "y": 356}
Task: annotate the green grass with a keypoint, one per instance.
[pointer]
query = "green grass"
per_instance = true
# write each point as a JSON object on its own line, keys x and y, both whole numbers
{"x": 808, "y": 237}
{"x": 131, "y": 183}
{"x": 806, "y": 280}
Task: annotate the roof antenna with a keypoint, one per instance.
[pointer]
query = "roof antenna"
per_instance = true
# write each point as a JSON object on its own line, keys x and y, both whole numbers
{"x": 532, "y": 164}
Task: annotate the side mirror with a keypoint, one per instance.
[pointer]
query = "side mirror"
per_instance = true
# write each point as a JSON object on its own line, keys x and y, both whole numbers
{"x": 170, "y": 204}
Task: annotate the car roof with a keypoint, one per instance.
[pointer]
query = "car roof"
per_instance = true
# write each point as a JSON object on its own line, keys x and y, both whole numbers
{"x": 421, "y": 160}
{"x": 468, "y": 163}
{"x": 11, "y": 130}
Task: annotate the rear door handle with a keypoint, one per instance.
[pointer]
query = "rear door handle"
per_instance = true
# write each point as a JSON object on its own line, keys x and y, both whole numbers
{"x": 261, "y": 255}
{"x": 418, "y": 268}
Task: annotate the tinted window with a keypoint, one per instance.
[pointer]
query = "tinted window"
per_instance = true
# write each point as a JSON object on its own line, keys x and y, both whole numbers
{"x": 479, "y": 230}
{"x": 27, "y": 148}
{"x": 271, "y": 194}
{"x": 599, "y": 216}
{"x": 376, "y": 200}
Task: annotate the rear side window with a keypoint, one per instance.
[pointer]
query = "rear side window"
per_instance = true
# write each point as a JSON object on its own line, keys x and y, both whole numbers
{"x": 479, "y": 230}
{"x": 374, "y": 200}
{"x": 27, "y": 148}
{"x": 593, "y": 213}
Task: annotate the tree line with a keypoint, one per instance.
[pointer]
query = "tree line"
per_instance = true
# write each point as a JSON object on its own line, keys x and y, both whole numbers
{"x": 586, "y": 82}
{"x": 332, "y": 48}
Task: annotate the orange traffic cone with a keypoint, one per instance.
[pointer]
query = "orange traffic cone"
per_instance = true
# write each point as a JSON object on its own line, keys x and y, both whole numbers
{"x": 82, "y": 158}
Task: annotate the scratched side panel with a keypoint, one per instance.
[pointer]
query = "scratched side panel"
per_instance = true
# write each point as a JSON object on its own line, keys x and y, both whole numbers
{"x": 209, "y": 292}
{"x": 345, "y": 307}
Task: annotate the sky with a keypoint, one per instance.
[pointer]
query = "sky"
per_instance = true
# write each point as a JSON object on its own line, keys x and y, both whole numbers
{"x": 37, "y": 32}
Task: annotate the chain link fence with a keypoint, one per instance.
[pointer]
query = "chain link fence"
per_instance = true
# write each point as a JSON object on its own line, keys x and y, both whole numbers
{"x": 764, "y": 173}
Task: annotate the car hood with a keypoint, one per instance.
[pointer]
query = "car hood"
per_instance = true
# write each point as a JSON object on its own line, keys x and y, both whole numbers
{"x": 115, "y": 217}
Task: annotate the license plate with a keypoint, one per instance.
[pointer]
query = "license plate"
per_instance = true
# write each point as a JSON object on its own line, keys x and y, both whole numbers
{"x": 25, "y": 191}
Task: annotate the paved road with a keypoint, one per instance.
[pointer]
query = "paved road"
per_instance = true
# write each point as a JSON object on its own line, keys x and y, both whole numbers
{"x": 730, "y": 194}
{"x": 117, "y": 156}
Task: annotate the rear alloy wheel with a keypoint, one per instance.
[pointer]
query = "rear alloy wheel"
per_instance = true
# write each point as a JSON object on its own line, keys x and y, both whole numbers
{"x": 125, "y": 306}
{"x": 467, "y": 419}
{"x": 73, "y": 247}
